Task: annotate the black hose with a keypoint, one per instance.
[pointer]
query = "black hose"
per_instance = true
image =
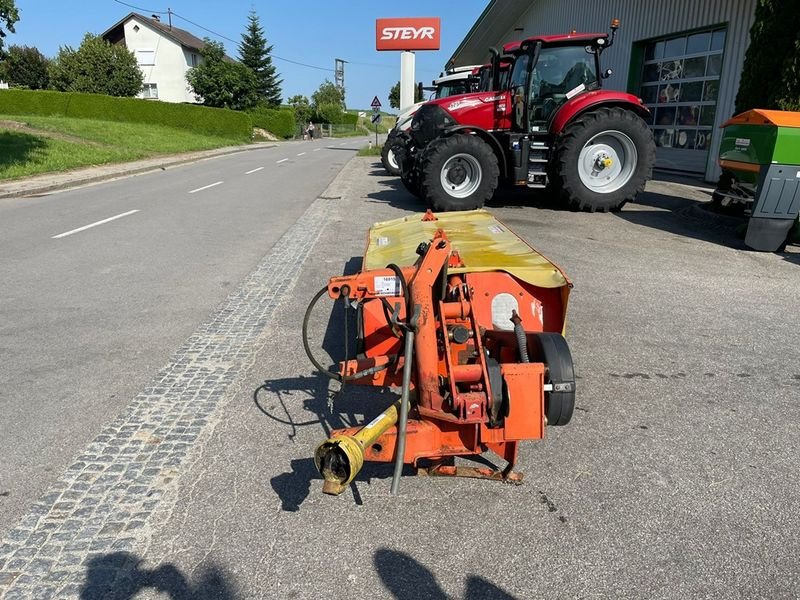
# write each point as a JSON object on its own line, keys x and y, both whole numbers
{"x": 315, "y": 362}
{"x": 307, "y": 348}
{"x": 522, "y": 339}
{"x": 403, "y": 286}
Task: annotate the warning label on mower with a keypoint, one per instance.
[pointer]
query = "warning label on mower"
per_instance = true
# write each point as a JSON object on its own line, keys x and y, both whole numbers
{"x": 387, "y": 286}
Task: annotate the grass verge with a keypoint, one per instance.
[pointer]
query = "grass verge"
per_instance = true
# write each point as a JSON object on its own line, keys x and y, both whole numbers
{"x": 370, "y": 151}
{"x": 30, "y": 144}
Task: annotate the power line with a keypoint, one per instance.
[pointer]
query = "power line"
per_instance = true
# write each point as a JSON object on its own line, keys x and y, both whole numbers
{"x": 152, "y": 12}
{"x": 219, "y": 35}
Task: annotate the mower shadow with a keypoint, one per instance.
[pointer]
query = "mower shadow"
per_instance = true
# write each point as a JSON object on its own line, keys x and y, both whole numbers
{"x": 407, "y": 579}
{"x": 324, "y": 402}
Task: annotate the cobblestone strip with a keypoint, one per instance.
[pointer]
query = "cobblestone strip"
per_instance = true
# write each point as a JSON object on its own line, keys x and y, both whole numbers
{"x": 108, "y": 494}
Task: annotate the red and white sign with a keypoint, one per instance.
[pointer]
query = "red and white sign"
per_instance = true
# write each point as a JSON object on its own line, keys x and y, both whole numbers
{"x": 375, "y": 103}
{"x": 412, "y": 33}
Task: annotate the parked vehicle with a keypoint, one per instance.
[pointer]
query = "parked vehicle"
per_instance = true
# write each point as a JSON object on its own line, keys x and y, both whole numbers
{"x": 552, "y": 127}
{"x": 454, "y": 82}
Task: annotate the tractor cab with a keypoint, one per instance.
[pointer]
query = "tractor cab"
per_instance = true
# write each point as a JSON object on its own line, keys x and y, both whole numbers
{"x": 549, "y": 71}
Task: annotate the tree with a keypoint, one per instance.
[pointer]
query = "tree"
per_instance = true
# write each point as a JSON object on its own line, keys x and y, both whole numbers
{"x": 394, "y": 95}
{"x": 771, "y": 72}
{"x": 328, "y": 93}
{"x": 254, "y": 53}
{"x": 8, "y": 16}
{"x": 25, "y": 66}
{"x": 302, "y": 108}
{"x": 220, "y": 82}
{"x": 96, "y": 67}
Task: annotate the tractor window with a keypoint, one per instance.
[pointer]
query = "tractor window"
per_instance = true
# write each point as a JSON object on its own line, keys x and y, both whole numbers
{"x": 557, "y": 76}
{"x": 453, "y": 88}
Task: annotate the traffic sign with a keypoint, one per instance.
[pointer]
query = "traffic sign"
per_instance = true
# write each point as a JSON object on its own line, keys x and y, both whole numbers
{"x": 376, "y": 118}
{"x": 375, "y": 103}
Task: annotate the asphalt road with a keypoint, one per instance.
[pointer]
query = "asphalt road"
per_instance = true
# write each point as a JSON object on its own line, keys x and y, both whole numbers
{"x": 87, "y": 316}
{"x": 677, "y": 477}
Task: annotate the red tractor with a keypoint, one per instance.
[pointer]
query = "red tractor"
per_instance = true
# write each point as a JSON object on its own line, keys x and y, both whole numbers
{"x": 553, "y": 126}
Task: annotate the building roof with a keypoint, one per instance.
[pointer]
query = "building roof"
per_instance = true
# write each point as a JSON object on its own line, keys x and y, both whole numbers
{"x": 188, "y": 40}
{"x": 497, "y": 19}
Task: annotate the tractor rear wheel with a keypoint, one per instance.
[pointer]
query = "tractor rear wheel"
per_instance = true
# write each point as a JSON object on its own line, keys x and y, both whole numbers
{"x": 459, "y": 172}
{"x": 603, "y": 159}
{"x": 389, "y": 160}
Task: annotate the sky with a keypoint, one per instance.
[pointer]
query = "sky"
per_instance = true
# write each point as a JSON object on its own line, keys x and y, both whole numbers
{"x": 314, "y": 32}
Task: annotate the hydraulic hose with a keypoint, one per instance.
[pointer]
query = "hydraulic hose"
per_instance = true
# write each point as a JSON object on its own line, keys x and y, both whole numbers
{"x": 315, "y": 362}
{"x": 522, "y": 339}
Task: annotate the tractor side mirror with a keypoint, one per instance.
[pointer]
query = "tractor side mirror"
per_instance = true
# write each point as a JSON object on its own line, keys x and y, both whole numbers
{"x": 607, "y": 73}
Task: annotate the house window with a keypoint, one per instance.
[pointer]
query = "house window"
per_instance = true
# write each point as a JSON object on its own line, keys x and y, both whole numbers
{"x": 680, "y": 85}
{"x": 150, "y": 90}
{"x": 146, "y": 57}
{"x": 193, "y": 59}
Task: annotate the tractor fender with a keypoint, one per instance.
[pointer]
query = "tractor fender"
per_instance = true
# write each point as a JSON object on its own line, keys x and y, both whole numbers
{"x": 486, "y": 137}
{"x": 580, "y": 104}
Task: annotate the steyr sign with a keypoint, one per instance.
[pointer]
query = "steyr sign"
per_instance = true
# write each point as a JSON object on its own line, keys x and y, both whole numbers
{"x": 414, "y": 33}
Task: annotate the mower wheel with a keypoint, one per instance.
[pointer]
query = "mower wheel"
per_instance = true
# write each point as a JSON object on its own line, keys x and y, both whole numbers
{"x": 553, "y": 351}
{"x": 603, "y": 159}
{"x": 459, "y": 172}
{"x": 389, "y": 160}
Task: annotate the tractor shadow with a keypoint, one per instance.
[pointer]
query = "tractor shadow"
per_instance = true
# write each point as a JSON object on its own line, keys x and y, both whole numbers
{"x": 674, "y": 214}
{"x": 407, "y": 579}
{"x": 325, "y": 404}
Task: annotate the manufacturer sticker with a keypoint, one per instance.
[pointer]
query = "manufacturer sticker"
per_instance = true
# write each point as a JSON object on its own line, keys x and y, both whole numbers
{"x": 575, "y": 91}
{"x": 382, "y": 241}
{"x": 743, "y": 142}
{"x": 387, "y": 286}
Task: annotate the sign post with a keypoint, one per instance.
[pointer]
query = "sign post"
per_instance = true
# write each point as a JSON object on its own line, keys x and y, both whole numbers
{"x": 376, "y": 116}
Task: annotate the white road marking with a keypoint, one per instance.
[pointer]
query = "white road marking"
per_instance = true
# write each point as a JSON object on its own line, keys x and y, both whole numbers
{"x": 90, "y": 225}
{"x": 205, "y": 187}
{"x": 253, "y": 170}
{"x": 282, "y": 160}
{"x": 301, "y": 154}
{"x": 317, "y": 149}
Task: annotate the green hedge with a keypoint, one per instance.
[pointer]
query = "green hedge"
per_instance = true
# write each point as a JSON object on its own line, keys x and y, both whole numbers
{"x": 200, "y": 119}
{"x": 278, "y": 122}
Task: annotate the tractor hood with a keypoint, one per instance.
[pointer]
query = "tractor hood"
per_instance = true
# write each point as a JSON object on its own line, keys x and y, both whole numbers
{"x": 487, "y": 110}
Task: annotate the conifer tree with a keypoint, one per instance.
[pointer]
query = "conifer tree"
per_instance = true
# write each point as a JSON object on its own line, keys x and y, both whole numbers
{"x": 255, "y": 54}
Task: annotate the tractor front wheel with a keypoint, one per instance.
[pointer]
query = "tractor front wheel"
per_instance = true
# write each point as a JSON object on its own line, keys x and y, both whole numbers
{"x": 388, "y": 158}
{"x": 459, "y": 172}
{"x": 603, "y": 159}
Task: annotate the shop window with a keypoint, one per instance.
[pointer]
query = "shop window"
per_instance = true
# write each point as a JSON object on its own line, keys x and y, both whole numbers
{"x": 680, "y": 85}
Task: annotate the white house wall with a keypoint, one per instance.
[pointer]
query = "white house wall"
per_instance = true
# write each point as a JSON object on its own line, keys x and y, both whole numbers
{"x": 171, "y": 61}
{"x": 643, "y": 20}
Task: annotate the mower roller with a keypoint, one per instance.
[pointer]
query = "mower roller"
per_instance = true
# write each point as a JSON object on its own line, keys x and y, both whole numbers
{"x": 467, "y": 320}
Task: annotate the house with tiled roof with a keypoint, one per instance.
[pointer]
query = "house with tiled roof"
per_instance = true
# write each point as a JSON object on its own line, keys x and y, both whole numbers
{"x": 165, "y": 54}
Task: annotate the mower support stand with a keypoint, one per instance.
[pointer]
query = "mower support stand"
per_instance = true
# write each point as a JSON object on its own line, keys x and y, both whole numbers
{"x": 440, "y": 469}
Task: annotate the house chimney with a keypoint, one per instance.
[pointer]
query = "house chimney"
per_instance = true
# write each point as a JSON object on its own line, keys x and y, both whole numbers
{"x": 156, "y": 18}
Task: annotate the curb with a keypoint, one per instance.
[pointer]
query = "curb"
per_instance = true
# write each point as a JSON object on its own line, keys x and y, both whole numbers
{"x": 123, "y": 172}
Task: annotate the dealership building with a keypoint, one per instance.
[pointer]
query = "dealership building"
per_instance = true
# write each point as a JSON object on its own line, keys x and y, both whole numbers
{"x": 683, "y": 58}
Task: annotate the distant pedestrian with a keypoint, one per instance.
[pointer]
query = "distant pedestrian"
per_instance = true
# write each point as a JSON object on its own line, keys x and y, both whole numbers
{"x": 310, "y": 130}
